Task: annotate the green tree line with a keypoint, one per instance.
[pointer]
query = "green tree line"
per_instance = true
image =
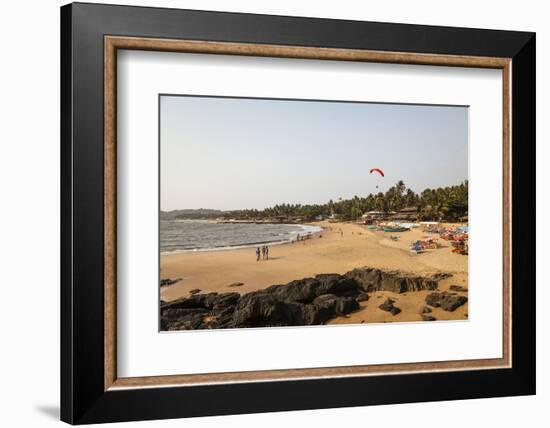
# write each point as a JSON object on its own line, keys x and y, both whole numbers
{"x": 444, "y": 203}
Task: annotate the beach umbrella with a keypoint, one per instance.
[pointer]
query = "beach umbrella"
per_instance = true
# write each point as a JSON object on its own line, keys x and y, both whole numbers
{"x": 380, "y": 174}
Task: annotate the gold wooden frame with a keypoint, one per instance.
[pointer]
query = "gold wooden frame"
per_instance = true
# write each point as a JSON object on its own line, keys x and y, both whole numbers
{"x": 113, "y": 43}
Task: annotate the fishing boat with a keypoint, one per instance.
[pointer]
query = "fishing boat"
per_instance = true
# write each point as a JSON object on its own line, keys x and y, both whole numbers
{"x": 395, "y": 229}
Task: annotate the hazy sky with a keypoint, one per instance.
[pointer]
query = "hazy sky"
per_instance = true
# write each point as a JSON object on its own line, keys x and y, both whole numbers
{"x": 232, "y": 153}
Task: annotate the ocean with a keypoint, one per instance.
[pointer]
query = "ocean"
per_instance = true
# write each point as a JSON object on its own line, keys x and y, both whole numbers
{"x": 202, "y": 235}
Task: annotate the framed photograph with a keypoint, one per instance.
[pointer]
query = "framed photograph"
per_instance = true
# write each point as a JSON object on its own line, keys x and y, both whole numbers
{"x": 320, "y": 213}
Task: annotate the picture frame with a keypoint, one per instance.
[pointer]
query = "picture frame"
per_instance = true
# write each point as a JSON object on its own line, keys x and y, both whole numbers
{"x": 91, "y": 35}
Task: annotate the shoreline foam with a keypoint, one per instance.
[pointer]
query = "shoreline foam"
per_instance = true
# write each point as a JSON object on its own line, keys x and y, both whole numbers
{"x": 307, "y": 229}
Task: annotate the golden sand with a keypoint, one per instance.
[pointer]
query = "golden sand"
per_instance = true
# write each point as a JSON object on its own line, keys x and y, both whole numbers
{"x": 339, "y": 248}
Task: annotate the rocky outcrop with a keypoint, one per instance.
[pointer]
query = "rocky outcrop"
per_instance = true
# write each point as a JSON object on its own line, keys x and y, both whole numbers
{"x": 397, "y": 282}
{"x": 446, "y": 301}
{"x": 308, "y": 301}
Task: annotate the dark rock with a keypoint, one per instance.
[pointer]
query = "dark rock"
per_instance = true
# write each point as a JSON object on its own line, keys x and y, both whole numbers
{"x": 225, "y": 299}
{"x": 182, "y": 319}
{"x": 307, "y": 289}
{"x": 336, "y": 305}
{"x": 362, "y": 297}
{"x": 261, "y": 309}
{"x": 428, "y": 318}
{"x": 220, "y": 317}
{"x": 195, "y": 291}
{"x": 446, "y": 301}
{"x": 371, "y": 279}
{"x": 395, "y": 310}
{"x": 308, "y": 301}
{"x": 236, "y": 284}
{"x": 450, "y": 303}
{"x": 440, "y": 276}
{"x": 346, "y": 305}
{"x": 458, "y": 288}
{"x": 424, "y": 310}
{"x": 388, "y": 306}
{"x": 336, "y": 284}
{"x": 302, "y": 291}
{"x": 325, "y": 300}
{"x": 167, "y": 282}
{"x": 320, "y": 313}
{"x": 184, "y": 303}
{"x": 432, "y": 299}
{"x": 204, "y": 300}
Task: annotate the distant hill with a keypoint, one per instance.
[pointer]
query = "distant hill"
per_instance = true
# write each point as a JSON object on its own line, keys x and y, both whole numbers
{"x": 201, "y": 213}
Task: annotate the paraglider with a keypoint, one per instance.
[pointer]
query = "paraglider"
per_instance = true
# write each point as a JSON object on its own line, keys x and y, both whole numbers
{"x": 379, "y": 171}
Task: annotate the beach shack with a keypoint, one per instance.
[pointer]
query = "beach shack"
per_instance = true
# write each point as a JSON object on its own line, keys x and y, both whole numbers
{"x": 409, "y": 214}
{"x": 372, "y": 216}
{"x": 280, "y": 219}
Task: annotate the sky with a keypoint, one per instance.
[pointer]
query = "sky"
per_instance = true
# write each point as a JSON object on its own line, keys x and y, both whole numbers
{"x": 237, "y": 153}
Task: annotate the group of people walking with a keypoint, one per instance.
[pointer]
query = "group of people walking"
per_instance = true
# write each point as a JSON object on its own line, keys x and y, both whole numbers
{"x": 264, "y": 251}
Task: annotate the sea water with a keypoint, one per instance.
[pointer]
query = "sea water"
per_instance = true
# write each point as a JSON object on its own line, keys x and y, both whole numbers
{"x": 203, "y": 235}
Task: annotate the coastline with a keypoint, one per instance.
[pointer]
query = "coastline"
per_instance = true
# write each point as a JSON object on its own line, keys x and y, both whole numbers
{"x": 342, "y": 248}
{"x": 305, "y": 226}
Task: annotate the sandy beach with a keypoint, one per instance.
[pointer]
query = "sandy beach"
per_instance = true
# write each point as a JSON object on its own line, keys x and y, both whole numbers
{"x": 339, "y": 248}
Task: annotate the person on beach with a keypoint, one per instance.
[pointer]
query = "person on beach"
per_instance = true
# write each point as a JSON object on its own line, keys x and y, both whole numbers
{"x": 266, "y": 252}
{"x": 263, "y": 252}
{"x": 258, "y": 254}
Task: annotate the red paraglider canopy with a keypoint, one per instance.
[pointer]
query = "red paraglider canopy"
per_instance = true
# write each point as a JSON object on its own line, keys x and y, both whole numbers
{"x": 378, "y": 170}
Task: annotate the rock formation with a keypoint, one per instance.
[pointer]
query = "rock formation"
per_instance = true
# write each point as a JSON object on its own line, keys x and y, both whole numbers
{"x": 308, "y": 301}
{"x": 446, "y": 301}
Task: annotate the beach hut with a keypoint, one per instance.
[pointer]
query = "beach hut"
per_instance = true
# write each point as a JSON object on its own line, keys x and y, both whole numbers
{"x": 406, "y": 214}
{"x": 372, "y": 216}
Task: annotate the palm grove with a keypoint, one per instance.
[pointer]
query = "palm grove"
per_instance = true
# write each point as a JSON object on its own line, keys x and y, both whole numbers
{"x": 444, "y": 203}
